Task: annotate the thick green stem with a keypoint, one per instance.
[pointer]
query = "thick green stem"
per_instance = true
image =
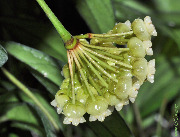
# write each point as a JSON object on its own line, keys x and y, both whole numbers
{"x": 65, "y": 35}
{"x": 30, "y": 94}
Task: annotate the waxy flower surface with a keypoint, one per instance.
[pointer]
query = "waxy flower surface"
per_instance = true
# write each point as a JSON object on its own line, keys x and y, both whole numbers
{"x": 105, "y": 71}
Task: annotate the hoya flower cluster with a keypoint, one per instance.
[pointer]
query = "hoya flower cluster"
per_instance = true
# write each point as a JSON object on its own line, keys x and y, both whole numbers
{"x": 106, "y": 71}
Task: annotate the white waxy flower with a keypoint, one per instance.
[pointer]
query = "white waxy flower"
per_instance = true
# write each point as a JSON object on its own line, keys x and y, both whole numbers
{"x": 147, "y": 45}
{"x": 151, "y": 71}
{"x": 59, "y": 110}
{"x": 119, "y": 106}
{"x": 100, "y": 117}
{"x": 134, "y": 91}
{"x": 74, "y": 121}
{"x": 150, "y": 27}
{"x": 126, "y": 102}
{"x": 54, "y": 104}
{"x": 128, "y": 23}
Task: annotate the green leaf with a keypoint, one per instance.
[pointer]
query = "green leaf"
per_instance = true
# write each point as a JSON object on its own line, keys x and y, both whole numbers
{"x": 46, "y": 105}
{"x": 37, "y": 130}
{"x": 7, "y": 85}
{"x": 130, "y": 10}
{"x": 3, "y": 56}
{"x": 148, "y": 121}
{"x": 135, "y": 6}
{"x": 8, "y": 97}
{"x": 98, "y": 14}
{"x": 51, "y": 87}
{"x": 50, "y": 131}
{"x": 53, "y": 45}
{"x": 21, "y": 113}
{"x": 113, "y": 126}
{"x": 169, "y": 13}
{"x": 36, "y": 60}
{"x": 168, "y": 5}
{"x": 165, "y": 86}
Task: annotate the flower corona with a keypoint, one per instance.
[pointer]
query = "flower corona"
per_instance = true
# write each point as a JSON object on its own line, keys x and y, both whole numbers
{"x": 105, "y": 71}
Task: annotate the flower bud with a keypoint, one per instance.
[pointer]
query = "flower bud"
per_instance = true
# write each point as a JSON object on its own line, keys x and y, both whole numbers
{"x": 96, "y": 107}
{"x": 74, "y": 110}
{"x": 81, "y": 96}
{"x": 140, "y": 69}
{"x": 112, "y": 99}
{"x": 140, "y": 30}
{"x": 147, "y": 45}
{"x": 74, "y": 113}
{"x": 61, "y": 97}
{"x": 121, "y": 28}
{"x": 151, "y": 71}
{"x": 66, "y": 71}
{"x": 93, "y": 90}
{"x": 136, "y": 47}
{"x": 123, "y": 86}
{"x": 150, "y": 27}
{"x": 77, "y": 84}
{"x": 65, "y": 83}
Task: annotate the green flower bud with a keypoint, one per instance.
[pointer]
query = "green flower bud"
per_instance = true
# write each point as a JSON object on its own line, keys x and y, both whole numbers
{"x": 140, "y": 30}
{"x": 125, "y": 72}
{"x": 123, "y": 86}
{"x": 140, "y": 69}
{"x": 120, "y": 28}
{"x": 112, "y": 99}
{"x": 77, "y": 84}
{"x": 61, "y": 98}
{"x": 127, "y": 58}
{"x": 76, "y": 110}
{"x": 65, "y": 83}
{"x": 66, "y": 71}
{"x": 112, "y": 86}
{"x": 93, "y": 90}
{"x": 96, "y": 107}
{"x": 81, "y": 96}
{"x": 95, "y": 41}
{"x": 136, "y": 47}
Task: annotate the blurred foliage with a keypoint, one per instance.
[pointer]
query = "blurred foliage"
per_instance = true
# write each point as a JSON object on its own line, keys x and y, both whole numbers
{"x": 38, "y": 65}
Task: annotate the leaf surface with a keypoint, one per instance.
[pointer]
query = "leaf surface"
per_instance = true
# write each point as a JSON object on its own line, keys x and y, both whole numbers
{"x": 37, "y": 60}
{"x": 98, "y": 14}
{"x": 3, "y": 56}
